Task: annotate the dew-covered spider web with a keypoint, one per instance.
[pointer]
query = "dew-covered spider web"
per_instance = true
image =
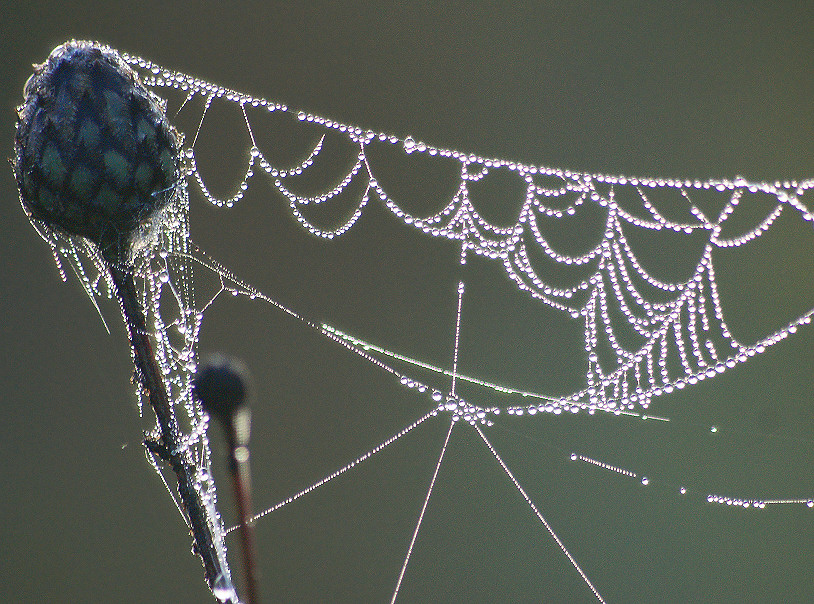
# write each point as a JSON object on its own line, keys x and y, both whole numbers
{"x": 460, "y": 297}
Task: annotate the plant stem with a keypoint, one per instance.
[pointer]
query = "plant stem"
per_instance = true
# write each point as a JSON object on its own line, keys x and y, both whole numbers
{"x": 241, "y": 483}
{"x": 202, "y": 519}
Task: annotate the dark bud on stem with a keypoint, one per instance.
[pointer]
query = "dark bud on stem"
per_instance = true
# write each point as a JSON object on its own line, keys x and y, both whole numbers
{"x": 222, "y": 386}
{"x": 94, "y": 153}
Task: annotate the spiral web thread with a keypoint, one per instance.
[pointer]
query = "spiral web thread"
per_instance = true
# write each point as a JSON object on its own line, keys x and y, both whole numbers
{"x": 682, "y": 336}
{"x": 688, "y": 328}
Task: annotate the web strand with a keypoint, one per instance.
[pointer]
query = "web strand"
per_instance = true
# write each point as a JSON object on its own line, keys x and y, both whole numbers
{"x": 349, "y": 466}
{"x": 457, "y": 337}
{"x": 421, "y": 513}
{"x": 539, "y": 515}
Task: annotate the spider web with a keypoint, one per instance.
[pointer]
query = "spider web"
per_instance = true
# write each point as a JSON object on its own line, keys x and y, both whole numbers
{"x": 578, "y": 248}
{"x": 680, "y": 322}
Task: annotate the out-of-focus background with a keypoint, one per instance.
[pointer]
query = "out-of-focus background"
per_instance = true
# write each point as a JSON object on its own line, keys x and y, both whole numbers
{"x": 696, "y": 91}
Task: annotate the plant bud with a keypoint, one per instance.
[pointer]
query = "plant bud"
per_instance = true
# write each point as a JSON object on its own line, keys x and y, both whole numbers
{"x": 94, "y": 153}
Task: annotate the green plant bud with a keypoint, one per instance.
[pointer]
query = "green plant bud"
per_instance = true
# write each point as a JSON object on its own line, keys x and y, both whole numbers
{"x": 94, "y": 153}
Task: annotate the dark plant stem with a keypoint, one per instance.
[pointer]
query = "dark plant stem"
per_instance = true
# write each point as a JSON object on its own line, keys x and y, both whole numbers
{"x": 171, "y": 449}
{"x": 241, "y": 483}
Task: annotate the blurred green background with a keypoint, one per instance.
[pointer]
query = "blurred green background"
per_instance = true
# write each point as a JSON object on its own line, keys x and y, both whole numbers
{"x": 697, "y": 91}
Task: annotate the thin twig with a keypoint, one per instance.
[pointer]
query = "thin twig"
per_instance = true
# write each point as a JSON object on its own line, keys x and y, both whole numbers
{"x": 222, "y": 386}
{"x": 171, "y": 449}
{"x": 241, "y": 482}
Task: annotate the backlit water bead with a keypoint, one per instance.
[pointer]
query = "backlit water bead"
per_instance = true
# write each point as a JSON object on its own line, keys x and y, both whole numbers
{"x": 94, "y": 153}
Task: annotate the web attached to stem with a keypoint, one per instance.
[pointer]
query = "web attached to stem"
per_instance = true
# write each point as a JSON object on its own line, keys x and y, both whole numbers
{"x": 573, "y": 244}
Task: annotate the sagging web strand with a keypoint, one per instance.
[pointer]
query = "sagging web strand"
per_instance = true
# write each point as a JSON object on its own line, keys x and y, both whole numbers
{"x": 684, "y": 339}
